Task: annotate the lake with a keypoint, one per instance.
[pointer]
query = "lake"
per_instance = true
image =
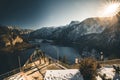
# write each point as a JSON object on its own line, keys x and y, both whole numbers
{"x": 60, "y": 51}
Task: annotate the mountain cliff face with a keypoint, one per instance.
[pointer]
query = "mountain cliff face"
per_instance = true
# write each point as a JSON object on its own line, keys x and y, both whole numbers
{"x": 45, "y": 32}
{"x": 75, "y": 30}
{"x": 19, "y": 30}
{"x": 9, "y": 37}
{"x": 14, "y": 41}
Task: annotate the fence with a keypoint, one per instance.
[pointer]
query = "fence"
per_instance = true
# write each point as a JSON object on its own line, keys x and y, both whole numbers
{"x": 27, "y": 66}
{"x": 10, "y": 73}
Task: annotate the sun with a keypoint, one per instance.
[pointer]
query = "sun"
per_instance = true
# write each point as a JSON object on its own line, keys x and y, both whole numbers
{"x": 111, "y": 8}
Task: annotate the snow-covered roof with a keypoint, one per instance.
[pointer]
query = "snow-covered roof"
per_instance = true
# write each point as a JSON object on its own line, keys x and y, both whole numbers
{"x": 69, "y": 74}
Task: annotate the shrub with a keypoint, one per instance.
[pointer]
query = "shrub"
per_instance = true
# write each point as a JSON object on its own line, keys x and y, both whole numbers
{"x": 88, "y": 67}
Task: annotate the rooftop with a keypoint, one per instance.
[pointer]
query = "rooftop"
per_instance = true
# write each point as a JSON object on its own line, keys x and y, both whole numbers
{"x": 68, "y": 74}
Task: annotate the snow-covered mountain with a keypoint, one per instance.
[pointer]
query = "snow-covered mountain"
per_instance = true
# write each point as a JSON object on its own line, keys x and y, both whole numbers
{"x": 20, "y": 30}
{"x": 74, "y": 30}
{"x": 10, "y": 35}
{"x": 89, "y": 26}
{"x": 45, "y": 32}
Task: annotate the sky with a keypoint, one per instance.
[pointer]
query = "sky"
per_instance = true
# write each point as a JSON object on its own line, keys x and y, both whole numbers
{"x": 35, "y": 14}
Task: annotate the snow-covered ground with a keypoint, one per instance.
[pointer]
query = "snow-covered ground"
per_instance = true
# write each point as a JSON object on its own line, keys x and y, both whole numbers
{"x": 68, "y": 74}
{"x": 108, "y": 72}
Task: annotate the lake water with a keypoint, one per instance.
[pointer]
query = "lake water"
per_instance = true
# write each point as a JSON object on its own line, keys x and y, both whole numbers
{"x": 58, "y": 51}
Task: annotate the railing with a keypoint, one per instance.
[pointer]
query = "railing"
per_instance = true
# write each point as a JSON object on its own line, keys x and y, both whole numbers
{"x": 17, "y": 70}
{"x": 10, "y": 73}
{"x": 25, "y": 68}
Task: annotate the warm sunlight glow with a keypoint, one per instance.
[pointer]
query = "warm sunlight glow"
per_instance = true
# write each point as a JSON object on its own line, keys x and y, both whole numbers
{"x": 111, "y": 8}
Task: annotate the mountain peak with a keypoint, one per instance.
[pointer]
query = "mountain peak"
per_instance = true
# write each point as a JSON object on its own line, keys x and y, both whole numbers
{"x": 74, "y": 22}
